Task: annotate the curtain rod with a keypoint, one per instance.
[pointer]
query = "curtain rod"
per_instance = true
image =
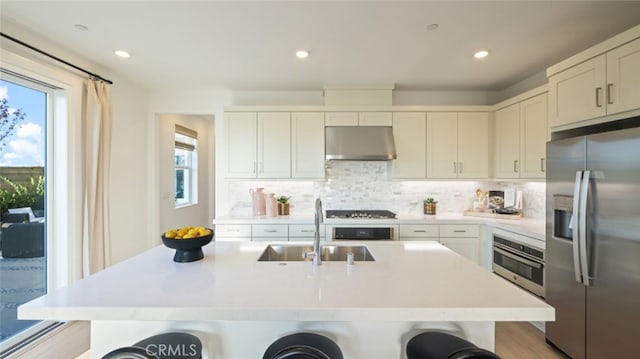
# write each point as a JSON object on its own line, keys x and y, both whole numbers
{"x": 56, "y": 58}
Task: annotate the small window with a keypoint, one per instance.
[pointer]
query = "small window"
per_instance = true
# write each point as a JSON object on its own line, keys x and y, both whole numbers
{"x": 186, "y": 166}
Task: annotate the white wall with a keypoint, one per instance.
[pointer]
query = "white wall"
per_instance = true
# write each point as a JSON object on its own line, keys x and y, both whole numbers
{"x": 130, "y": 211}
{"x": 199, "y": 213}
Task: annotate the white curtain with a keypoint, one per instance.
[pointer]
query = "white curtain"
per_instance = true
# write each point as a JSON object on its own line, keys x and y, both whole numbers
{"x": 97, "y": 141}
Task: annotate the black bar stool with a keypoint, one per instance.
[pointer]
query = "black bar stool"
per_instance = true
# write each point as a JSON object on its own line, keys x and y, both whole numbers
{"x": 303, "y": 346}
{"x": 437, "y": 345}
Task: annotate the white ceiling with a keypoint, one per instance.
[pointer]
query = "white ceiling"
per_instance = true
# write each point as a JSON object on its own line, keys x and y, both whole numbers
{"x": 240, "y": 45}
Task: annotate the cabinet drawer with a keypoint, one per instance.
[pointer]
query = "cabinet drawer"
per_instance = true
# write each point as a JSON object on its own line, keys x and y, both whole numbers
{"x": 459, "y": 230}
{"x": 419, "y": 230}
{"x": 232, "y": 230}
{"x": 304, "y": 230}
{"x": 341, "y": 119}
{"x": 375, "y": 119}
{"x": 269, "y": 230}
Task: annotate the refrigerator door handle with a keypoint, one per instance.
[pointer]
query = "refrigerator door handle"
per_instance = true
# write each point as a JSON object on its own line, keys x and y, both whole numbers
{"x": 584, "y": 195}
{"x": 575, "y": 227}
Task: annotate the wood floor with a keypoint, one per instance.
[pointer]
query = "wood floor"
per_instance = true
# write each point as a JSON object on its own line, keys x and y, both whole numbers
{"x": 521, "y": 340}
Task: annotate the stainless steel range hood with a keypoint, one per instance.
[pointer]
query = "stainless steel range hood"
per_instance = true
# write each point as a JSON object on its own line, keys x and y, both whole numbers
{"x": 361, "y": 143}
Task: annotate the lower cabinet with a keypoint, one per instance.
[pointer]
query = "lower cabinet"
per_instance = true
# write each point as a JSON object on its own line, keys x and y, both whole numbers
{"x": 232, "y": 232}
{"x": 463, "y": 239}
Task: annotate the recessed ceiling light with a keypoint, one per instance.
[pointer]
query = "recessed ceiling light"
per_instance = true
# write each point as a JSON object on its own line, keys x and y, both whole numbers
{"x": 122, "y": 53}
{"x": 302, "y": 54}
{"x": 481, "y": 54}
{"x": 81, "y": 27}
{"x": 432, "y": 27}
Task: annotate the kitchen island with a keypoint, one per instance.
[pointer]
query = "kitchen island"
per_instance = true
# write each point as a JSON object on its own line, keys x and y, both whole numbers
{"x": 238, "y": 306}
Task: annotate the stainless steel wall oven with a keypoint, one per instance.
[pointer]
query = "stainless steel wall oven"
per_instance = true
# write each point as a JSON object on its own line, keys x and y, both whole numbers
{"x": 516, "y": 259}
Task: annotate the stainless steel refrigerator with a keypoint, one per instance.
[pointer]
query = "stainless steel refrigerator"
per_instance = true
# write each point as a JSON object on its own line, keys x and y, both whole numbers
{"x": 593, "y": 241}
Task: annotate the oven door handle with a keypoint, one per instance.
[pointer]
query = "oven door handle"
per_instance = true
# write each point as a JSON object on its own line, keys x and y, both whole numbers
{"x": 518, "y": 258}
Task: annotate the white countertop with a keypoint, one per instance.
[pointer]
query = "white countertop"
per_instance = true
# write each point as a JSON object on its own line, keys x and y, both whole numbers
{"x": 409, "y": 281}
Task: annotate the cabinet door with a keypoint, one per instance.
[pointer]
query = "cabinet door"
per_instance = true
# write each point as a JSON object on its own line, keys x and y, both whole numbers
{"x": 374, "y": 119}
{"x": 410, "y": 134}
{"x": 467, "y": 247}
{"x": 507, "y": 141}
{"x": 274, "y": 145}
{"x": 307, "y": 145}
{"x": 623, "y": 78}
{"x": 577, "y": 93}
{"x": 240, "y": 136}
{"x": 473, "y": 145}
{"x": 442, "y": 144}
{"x": 533, "y": 120}
{"x": 341, "y": 118}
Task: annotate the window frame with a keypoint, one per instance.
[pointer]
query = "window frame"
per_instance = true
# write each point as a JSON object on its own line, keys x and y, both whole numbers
{"x": 186, "y": 144}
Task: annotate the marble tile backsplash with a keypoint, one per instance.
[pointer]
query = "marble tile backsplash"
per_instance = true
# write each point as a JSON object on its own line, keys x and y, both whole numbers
{"x": 368, "y": 185}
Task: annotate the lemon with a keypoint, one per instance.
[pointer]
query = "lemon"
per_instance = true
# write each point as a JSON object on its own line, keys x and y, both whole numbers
{"x": 172, "y": 233}
{"x": 189, "y": 235}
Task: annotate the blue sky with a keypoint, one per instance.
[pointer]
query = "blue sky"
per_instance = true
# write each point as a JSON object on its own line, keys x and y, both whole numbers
{"x": 26, "y": 145}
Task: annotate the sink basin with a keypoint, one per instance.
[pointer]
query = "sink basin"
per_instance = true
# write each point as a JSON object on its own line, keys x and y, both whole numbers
{"x": 329, "y": 253}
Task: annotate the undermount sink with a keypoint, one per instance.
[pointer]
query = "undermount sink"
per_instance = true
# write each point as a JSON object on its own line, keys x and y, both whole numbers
{"x": 329, "y": 253}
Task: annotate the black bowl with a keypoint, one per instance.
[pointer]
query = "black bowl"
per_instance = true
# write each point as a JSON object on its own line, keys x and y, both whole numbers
{"x": 188, "y": 250}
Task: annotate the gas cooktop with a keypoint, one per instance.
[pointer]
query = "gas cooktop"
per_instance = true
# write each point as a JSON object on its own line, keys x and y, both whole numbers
{"x": 364, "y": 214}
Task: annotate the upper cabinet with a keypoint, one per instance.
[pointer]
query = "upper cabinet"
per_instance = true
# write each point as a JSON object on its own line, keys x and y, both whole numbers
{"x": 258, "y": 144}
{"x": 520, "y": 138}
{"x": 354, "y": 118}
{"x": 410, "y": 137}
{"x": 307, "y": 144}
{"x": 601, "y": 81}
{"x": 457, "y": 145}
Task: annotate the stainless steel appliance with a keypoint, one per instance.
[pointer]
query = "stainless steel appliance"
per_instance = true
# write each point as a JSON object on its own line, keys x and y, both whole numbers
{"x": 362, "y": 143}
{"x": 593, "y": 240}
{"x": 359, "y": 230}
{"x": 518, "y": 261}
{"x": 357, "y": 214}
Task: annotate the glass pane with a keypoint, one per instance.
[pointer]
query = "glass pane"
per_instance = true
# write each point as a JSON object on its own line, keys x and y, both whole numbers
{"x": 23, "y": 119}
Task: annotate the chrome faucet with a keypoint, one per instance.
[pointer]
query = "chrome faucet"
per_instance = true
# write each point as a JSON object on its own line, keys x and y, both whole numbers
{"x": 318, "y": 218}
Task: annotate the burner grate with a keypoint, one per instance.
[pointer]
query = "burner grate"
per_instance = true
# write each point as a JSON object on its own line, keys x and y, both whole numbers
{"x": 364, "y": 214}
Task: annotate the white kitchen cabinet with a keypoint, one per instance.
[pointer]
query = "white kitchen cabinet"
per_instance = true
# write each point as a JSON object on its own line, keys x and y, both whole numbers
{"x": 507, "y": 141}
{"x": 533, "y": 137}
{"x": 457, "y": 145}
{"x": 352, "y": 118}
{"x": 241, "y": 131}
{"x": 623, "y": 78}
{"x": 232, "y": 232}
{"x": 576, "y": 93}
{"x": 410, "y": 137}
{"x": 307, "y": 144}
{"x": 520, "y": 138}
{"x": 463, "y": 239}
{"x": 274, "y": 145}
{"x": 258, "y": 144}
{"x": 269, "y": 232}
{"x": 375, "y": 119}
{"x": 341, "y": 118}
{"x": 419, "y": 232}
{"x": 304, "y": 232}
{"x": 604, "y": 85}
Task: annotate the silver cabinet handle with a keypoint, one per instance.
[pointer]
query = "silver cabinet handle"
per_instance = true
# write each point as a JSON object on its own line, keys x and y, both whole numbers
{"x": 233, "y": 230}
{"x": 598, "y": 89}
{"x": 542, "y": 165}
{"x": 609, "y": 96}
{"x": 307, "y": 231}
{"x": 270, "y": 230}
{"x": 515, "y": 166}
{"x": 419, "y": 231}
{"x": 459, "y": 231}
